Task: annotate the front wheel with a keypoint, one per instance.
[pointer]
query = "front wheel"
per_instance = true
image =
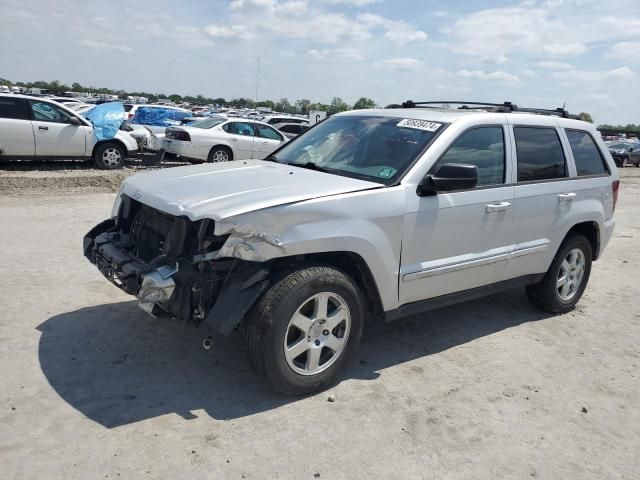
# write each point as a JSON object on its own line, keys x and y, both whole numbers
{"x": 562, "y": 286}
{"x": 109, "y": 156}
{"x": 302, "y": 332}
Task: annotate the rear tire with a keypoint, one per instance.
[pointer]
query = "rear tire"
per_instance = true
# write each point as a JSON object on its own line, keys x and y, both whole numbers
{"x": 220, "y": 154}
{"x": 316, "y": 311}
{"x": 563, "y": 285}
{"x": 109, "y": 156}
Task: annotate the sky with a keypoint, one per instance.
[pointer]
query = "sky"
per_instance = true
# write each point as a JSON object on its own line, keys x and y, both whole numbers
{"x": 533, "y": 53}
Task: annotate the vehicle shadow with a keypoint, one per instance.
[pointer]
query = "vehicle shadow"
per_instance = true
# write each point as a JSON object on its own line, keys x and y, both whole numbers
{"x": 140, "y": 161}
{"x": 118, "y": 366}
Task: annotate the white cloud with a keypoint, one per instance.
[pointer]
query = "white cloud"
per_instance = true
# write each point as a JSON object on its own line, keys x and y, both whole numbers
{"x": 554, "y": 65}
{"x": 396, "y": 31}
{"x": 400, "y": 64}
{"x": 339, "y": 54}
{"x": 594, "y": 77}
{"x": 565, "y": 49}
{"x": 95, "y": 45}
{"x": 233, "y": 31}
{"x": 498, "y": 76}
{"x": 356, "y": 3}
{"x": 624, "y": 50}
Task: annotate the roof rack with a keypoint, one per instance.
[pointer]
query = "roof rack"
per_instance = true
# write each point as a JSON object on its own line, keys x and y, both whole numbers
{"x": 505, "y": 107}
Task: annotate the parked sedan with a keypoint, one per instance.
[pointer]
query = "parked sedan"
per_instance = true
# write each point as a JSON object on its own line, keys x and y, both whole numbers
{"x": 625, "y": 153}
{"x": 220, "y": 139}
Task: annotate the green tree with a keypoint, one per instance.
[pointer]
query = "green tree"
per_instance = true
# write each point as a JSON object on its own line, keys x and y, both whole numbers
{"x": 585, "y": 117}
{"x": 364, "y": 103}
{"x": 302, "y": 106}
{"x": 337, "y": 105}
{"x": 175, "y": 97}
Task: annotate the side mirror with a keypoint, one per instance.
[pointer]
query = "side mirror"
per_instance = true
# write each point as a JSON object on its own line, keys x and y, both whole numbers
{"x": 74, "y": 121}
{"x": 448, "y": 177}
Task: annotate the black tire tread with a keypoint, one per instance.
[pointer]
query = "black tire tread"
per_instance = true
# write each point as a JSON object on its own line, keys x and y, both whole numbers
{"x": 260, "y": 320}
{"x": 544, "y": 295}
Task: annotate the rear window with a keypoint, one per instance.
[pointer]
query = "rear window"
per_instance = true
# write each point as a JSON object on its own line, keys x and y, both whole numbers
{"x": 208, "y": 122}
{"x": 540, "y": 154}
{"x": 15, "y": 108}
{"x": 586, "y": 154}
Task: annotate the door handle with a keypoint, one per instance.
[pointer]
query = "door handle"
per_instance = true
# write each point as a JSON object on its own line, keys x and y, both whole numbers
{"x": 566, "y": 197}
{"x": 498, "y": 207}
{"x": 43, "y": 128}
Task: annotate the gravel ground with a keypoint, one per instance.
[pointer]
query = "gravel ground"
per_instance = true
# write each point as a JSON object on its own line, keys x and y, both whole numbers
{"x": 90, "y": 387}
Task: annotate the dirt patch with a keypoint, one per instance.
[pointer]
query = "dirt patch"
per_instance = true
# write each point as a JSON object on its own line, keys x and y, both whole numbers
{"x": 57, "y": 177}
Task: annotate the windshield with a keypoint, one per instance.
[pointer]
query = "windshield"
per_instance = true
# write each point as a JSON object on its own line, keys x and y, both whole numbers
{"x": 620, "y": 146}
{"x": 208, "y": 122}
{"x": 378, "y": 149}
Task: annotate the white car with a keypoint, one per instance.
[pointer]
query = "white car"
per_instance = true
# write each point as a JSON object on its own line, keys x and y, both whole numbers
{"x": 33, "y": 127}
{"x": 219, "y": 139}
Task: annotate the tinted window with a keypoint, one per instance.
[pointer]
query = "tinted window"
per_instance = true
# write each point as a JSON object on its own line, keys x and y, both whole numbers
{"x": 379, "y": 149}
{"x": 482, "y": 147}
{"x": 47, "y": 112}
{"x": 239, "y": 128}
{"x": 540, "y": 154}
{"x": 13, "y": 108}
{"x": 267, "y": 132}
{"x": 291, "y": 128}
{"x": 588, "y": 159}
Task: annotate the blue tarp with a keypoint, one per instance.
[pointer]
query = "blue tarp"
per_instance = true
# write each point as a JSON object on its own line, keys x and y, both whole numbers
{"x": 159, "y": 117}
{"x": 106, "y": 119}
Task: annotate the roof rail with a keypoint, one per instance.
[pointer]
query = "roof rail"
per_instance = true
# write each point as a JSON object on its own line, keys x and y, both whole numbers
{"x": 505, "y": 107}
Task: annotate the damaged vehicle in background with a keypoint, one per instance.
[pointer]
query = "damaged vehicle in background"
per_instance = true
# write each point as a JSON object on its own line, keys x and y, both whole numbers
{"x": 37, "y": 128}
{"x": 369, "y": 214}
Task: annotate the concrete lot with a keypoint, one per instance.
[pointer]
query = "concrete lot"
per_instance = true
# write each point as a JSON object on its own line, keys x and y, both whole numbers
{"x": 90, "y": 387}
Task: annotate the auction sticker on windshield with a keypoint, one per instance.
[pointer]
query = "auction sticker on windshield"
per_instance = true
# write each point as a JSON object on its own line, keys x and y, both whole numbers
{"x": 419, "y": 125}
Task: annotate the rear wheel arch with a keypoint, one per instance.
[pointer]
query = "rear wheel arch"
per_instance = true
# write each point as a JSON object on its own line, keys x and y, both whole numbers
{"x": 591, "y": 231}
{"x": 220, "y": 146}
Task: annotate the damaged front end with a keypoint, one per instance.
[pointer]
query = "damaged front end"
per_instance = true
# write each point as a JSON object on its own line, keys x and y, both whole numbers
{"x": 174, "y": 266}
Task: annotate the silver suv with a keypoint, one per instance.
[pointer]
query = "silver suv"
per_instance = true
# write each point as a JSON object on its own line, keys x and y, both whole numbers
{"x": 369, "y": 214}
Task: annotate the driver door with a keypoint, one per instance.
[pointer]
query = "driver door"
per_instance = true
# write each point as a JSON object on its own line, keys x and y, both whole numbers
{"x": 457, "y": 241}
{"x": 54, "y": 136}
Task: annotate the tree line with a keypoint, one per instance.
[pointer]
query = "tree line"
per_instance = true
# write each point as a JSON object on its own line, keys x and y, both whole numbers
{"x": 301, "y": 106}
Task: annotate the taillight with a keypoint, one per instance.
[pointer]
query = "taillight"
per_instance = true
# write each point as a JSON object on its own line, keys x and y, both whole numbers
{"x": 615, "y": 186}
{"x": 131, "y": 115}
{"x": 178, "y": 135}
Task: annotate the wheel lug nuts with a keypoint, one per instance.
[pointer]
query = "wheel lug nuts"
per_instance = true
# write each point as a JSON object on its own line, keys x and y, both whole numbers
{"x": 322, "y": 322}
{"x": 325, "y": 332}
{"x": 317, "y": 343}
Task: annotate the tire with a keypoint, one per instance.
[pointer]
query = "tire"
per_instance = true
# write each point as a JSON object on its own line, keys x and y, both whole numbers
{"x": 272, "y": 327}
{"x": 220, "y": 154}
{"x": 548, "y": 293}
{"x": 109, "y": 156}
{"x": 625, "y": 161}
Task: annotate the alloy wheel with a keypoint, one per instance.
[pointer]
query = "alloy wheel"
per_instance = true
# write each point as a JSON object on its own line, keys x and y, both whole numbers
{"x": 111, "y": 157}
{"x": 571, "y": 274}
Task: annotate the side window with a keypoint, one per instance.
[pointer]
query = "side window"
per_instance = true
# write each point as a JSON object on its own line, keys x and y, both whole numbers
{"x": 15, "y": 108}
{"x": 588, "y": 158}
{"x": 482, "y": 147}
{"x": 268, "y": 132}
{"x": 239, "y": 128}
{"x": 540, "y": 154}
{"x": 46, "y": 112}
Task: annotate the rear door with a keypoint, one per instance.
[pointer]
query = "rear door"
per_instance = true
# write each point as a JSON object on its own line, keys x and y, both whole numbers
{"x": 267, "y": 140}
{"x": 241, "y": 139}
{"x": 544, "y": 197}
{"x": 16, "y": 134}
{"x": 55, "y": 136}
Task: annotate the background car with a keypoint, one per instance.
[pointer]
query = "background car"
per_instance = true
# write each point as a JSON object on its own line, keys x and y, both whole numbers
{"x": 625, "y": 153}
{"x": 276, "y": 120}
{"x": 292, "y": 130}
{"x": 37, "y": 128}
{"x": 220, "y": 139}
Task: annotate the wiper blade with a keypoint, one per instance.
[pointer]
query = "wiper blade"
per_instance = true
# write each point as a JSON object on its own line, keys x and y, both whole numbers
{"x": 310, "y": 166}
{"x": 271, "y": 158}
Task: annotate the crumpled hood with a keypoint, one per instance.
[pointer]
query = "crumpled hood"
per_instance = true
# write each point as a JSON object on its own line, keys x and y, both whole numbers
{"x": 222, "y": 190}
